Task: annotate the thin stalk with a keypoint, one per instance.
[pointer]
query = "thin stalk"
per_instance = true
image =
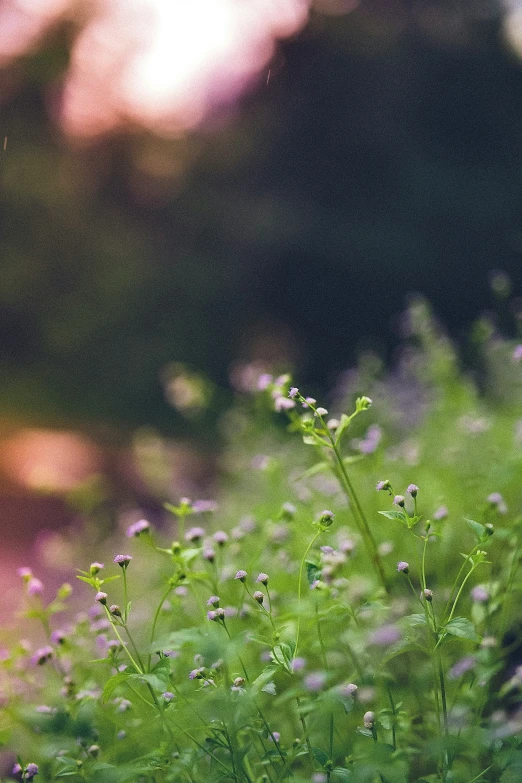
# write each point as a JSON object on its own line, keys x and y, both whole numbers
{"x": 155, "y": 620}
{"x": 124, "y": 646}
{"x": 299, "y": 591}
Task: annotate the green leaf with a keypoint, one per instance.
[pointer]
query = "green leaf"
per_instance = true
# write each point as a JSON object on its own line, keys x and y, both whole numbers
{"x": 265, "y": 677}
{"x": 400, "y": 516}
{"x": 314, "y": 470}
{"x": 311, "y": 439}
{"x": 313, "y": 572}
{"x": 320, "y": 756}
{"x": 112, "y": 683}
{"x": 403, "y": 646}
{"x": 269, "y": 688}
{"x": 477, "y": 528}
{"x": 462, "y": 628}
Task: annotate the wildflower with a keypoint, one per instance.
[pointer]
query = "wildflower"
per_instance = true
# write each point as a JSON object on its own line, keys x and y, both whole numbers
{"x": 427, "y": 595}
{"x": 283, "y": 404}
{"x": 42, "y": 655}
{"x": 95, "y": 568}
{"x": 26, "y": 574}
{"x": 403, "y": 567}
{"x": 385, "y": 635}
{"x": 332, "y": 424}
{"x": 369, "y": 719}
{"x": 209, "y": 555}
{"x": 213, "y": 600}
{"x": 298, "y": 664}
{"x": 58, "y": 637}
{"x": 327, "y": 550}
{"x": 194, "y": 534}
{"x": 496, "y": 500}
{"x": 383, "y": 485}
{"x": 124, "y": 705}
{"x": 461, "y": 667}
{"x": 309, "y": 401}
{"x": 204, "y": 506}
{"x": 259, "y": 596}
{"x": 211, "y": 615}
{"x": 516, "y": 356}
{"x": 326, "y": 518}
{"x": 412, "y": 490}
{"x": 241, "y": 575}
{"x": 264, "y": 381}
{"x": 123, "y": 560}
{"x": 34, "y": 586}
{"x": 441, "y": 513}
{"x": 220, "y": 537}
{"x": 321, "y": 411}
{"x": 350, "y": 689}
{"x": 262, "y": 579}
{"x": 115, "y": 610}
{"x": 399, "y": 500}
{"x": 369, "y": 444}
{"x": 197, "y": 674}
{"x": 93, "y": 750}
{"x": 137, "y": 528}
{"x": 315, "y": 681}
{"x": 101, "y": 597}
{"x": 16, "y": 769}
{"x": 275, "y": 736}
{"x": 288, "y": 510}
{"x": 293, "y": 392}
{"x": 181, "y": 591}
{"x": 479, "y": 594}
{"x": 168, "y": 696}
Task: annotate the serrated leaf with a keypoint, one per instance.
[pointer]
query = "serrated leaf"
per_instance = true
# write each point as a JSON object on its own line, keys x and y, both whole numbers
{"x": 113, "y": 683}
{"x": 462, "y": 628}
{"x": 265, "y": 676}
{"x": 414, "y": 620}
{"x": 400, "y": 516}
{"x": 403, "y": 646}
{"x": 477, "y": 528}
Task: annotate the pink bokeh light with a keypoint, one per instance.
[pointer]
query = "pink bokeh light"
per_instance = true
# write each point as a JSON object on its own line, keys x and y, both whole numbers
{"x": 165, "y": 65}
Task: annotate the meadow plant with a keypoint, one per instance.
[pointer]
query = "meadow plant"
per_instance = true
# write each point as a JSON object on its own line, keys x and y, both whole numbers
{"x": 330, "y": 620}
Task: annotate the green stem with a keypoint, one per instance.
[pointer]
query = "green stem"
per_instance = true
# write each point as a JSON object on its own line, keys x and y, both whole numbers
{"x": 124, "y": 646}
{"x": 301, "y": 569}
{"x": 155, "y": 620}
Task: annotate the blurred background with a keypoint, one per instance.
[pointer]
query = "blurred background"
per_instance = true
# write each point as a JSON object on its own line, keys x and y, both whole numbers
{"x": 190, "y": 189}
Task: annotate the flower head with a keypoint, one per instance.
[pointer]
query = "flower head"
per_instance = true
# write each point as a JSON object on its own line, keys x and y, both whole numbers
{"x": 262, "y": 578}
{"x": 122, "y": 560}
{"x": 213, "y": 600}
{"x": 204, "y": 506}
{"x": 440, "y": 513}
{"x": 194, "y": 534}
{"x": 220, "y": 537}
{"x": 369, "y": 719}
{"x": 42, "y": 655}
{"x": 241, "y": 575}
{"x": 34, "y": 586}
{"x": 326, "y": 518}
{"x": 168, "y": 696}
{"x": 137, "y": 528}
{"x": 427, "y": 594}
{"x": 293, "y": 392}
{"x": 283, "y": 404}
{"x": 95, "y": 568}
{"x": 412, "y": 490}
{"x": 399, "y": 500}
{"x": 403, "y": 567}
{"x": 383, "y": 485}
{"x": 101, "y": 597}
{"x": 479, "y": 594}
{"x": 258, "y": 596}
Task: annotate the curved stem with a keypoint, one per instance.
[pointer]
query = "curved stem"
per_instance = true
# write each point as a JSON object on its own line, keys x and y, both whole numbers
{"x": 301, "y": 569}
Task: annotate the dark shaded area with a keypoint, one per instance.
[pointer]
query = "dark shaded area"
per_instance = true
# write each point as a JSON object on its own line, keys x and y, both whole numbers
{"x": 384, "y": 157}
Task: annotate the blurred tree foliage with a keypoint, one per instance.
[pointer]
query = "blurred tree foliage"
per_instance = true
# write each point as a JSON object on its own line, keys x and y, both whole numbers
{"x": 383, "y": 156}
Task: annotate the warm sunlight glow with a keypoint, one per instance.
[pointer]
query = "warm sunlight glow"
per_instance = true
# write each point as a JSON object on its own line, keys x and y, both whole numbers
{"x": 162, "y": 64}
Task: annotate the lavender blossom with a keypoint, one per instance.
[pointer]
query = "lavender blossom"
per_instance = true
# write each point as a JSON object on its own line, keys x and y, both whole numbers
{"x": 137, "y": 528}
{"x": 122, "y": 560}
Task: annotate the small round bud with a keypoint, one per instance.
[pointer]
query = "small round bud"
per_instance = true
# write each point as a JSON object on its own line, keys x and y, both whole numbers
{"x": 403, "y": 567}
{"x": 213, "y": 600}
{"x": 369, "y": 719}
{"x": 93, "y": 750}
{"x": 427, "y": 595}
{"x": 293, "y": 392}
{"x": 137, "y": 528}
{"x": 259, "y": 596}
{"x": 326, "y": 518}
{"x": 399, "y": 500}
{"x": 412, "y": 490}
{"x": 362, "y": 403}
{"x": 321, "y": 411}
{"x": 241, "y": 575}
{"x": 490, "y": 529}
{"x": 168, "y": 696}
{"x": 239, "y": 682}
{"x": 101, "y": 597}
{"x": 95, "y": 568}
{"x": 262, "y": 579}
{"x": 220, "y": 537}
{"x": 115, "y": 610}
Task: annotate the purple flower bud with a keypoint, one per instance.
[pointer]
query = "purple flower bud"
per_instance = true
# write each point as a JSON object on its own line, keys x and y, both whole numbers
{"x": 348, "y": 690}
{"x": 283, "y": 404}
{"x": 204, "y": 506}
{"x": 321, "y": 411}
{"x": 480, "y": 594}
{"x": 34, "y": 586}
{"x": 427, "y": 595}
{"x": 516, "y": 356}
{"x": 315, "y": 681}
{"x": 42, "y": 655}
{"x": 137, "y": 528}
{"x": 168, "y": 696}
{"x": 115, "y": 610}
{"x": 383, "y": 485}
{"x": 403, "y": 566}
{"x": 213, "y": 600}
{"x": 412, "y": 490}
{"x": 241, "y": 575}
{"x": 399, "y": 500}
{"x": 220, "y": 537}
{"x": 58, "y": 637}
{"x": 95, "y": 568}
{"x": 211, "y": 615}
{"x": 298, "y": 664}
{"x": 259, "y": 596}
{"x": 122, "y": 560}
{"x": 326, "y": 518}
{"x": 197, "y": 674}
{"x": 441, "y": 513}
{"x": 16, "y": 769}
{"x": 369, "y": 719}
{"x": 31, "y": 770}
{"x": 262, "y": 579}
{"x": 293, "y": 392}
{"x": 101, "y": 597}
{"x": 194, "y": 534}
{"x": 209, "y": 555}
{"x": 496, "y": 499}
{"x": 264, "y": 381}
{"x": 26, "y": 574}
{"x": 276, "y": 736}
